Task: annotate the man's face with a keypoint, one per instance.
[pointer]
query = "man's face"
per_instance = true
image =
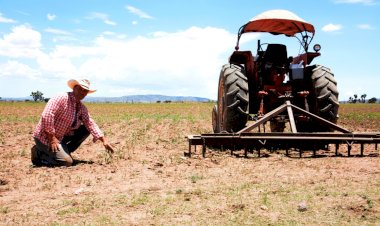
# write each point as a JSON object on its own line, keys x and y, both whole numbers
{"x": 79, "y": 93}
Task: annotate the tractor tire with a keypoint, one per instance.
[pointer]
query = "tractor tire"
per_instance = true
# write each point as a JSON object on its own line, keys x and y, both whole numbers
{"x": 215, "y": 125}
{"x": 325, "y": 94}
{"x": 232, "y": 108}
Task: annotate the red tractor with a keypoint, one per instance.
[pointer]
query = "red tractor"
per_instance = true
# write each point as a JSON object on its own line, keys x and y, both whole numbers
{"x": 252, "y": 85}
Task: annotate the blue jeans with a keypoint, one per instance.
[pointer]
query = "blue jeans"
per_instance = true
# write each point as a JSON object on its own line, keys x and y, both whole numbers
{"x": 68, "y": 145}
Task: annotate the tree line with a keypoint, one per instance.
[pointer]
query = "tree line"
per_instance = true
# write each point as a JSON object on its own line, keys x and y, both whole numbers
{"x": 355, "y": 99}
{"x": 38, "y": 96}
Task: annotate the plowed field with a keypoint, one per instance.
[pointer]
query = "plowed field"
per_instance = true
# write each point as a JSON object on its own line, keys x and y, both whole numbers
{"x": 148, "y": 181}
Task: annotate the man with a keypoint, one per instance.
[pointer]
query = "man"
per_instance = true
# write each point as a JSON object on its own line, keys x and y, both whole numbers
{"x": 64, "y": 125}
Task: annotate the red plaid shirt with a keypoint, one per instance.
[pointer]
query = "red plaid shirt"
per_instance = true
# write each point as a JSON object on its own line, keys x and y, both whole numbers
{"x": 61, "y": 116}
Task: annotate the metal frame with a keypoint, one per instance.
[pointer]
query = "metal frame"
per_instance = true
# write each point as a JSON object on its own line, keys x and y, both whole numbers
{"x": 248, "y": 141}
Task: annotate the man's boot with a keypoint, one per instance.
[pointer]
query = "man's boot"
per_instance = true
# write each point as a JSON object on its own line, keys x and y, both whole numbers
{"x": 35, "y": 156}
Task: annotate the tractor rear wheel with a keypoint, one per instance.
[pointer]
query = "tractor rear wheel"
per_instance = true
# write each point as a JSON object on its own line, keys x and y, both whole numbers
{"x": 231, "y": 113}
{"x": 324, "y": 98}
{"x": 215, "y": 125}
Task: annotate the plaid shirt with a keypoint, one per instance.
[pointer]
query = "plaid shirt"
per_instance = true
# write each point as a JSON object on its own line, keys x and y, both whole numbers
{"x": 61, "y": 116}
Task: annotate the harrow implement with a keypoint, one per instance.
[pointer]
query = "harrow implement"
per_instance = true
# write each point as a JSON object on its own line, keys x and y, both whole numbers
{"x": 300, "y": 141}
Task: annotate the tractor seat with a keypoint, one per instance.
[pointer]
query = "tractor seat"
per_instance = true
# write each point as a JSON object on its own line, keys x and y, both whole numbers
{"x": 276, "y": 54}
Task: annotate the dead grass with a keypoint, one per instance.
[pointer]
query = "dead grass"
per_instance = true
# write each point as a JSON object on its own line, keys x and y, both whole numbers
{"x": 149, "y": 181}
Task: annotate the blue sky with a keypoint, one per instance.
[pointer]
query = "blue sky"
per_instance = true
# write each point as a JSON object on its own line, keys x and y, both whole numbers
{"x": 170, "y": 47}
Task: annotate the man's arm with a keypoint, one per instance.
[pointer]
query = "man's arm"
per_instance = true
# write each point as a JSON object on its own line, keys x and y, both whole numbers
{"x": 48, "y": 119}
{"x": 93, "y": 128}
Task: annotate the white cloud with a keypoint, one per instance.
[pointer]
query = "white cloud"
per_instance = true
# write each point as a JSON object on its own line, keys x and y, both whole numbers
{"x": 109, "y": 22}
{"x": 185, "y": 62}
{"x": 138, "y": 12}
{"x": 113, "y": 34}
{"x": 22, "y": 13}
{"x": 70, "y": 52}
{"x": 61, "y": 35}
{"x": 23, "y": 41}
{"x": 6, "y": 20}
{"x": 51, "y": 17}
{"x": 365, "y": 2}
{"x": 58, "y": 67}
{"x": 16, "y": 69}
{"x": 134, "y": 22}
{"x": 332, "y": 27}
{"x": 109, "y": 33}
{"x": 101, "y": 16}
{"x": 365, "y": 27}
{"x": 57, "y": 31}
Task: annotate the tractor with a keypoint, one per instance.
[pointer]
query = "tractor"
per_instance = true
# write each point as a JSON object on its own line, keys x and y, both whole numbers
{"x": 252, "y": 85}
{"x": 273, "y": 87}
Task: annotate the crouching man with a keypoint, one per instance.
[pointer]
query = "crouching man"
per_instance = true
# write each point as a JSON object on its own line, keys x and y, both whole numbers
{"x": 64, "y": 125}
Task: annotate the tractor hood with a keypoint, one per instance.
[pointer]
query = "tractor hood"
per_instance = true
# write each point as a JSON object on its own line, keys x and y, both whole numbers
{"x": 277, "y": 22}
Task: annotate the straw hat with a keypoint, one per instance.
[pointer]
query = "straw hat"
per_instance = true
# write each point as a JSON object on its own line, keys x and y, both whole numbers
{"x": 84, "y": 83}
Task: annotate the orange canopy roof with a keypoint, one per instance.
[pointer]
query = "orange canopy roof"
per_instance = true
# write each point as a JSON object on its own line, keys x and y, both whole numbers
{"x": 277, "y": 22}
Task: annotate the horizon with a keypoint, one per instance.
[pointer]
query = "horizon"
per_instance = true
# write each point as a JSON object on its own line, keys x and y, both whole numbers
{"x": 28, "y": 98}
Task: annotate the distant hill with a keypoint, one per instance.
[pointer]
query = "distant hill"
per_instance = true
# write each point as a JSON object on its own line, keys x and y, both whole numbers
{"x": 129, "y": 99}
{"x": 149, "y": 98}
{"x": 146, "y": 99}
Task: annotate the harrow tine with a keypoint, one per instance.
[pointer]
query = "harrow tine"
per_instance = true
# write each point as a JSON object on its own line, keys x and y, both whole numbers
{"x": 204, "y": 148}
{"x": 336, "y": 149}
{"x": 361, "y": 149}
{"x": 349, "y": 146}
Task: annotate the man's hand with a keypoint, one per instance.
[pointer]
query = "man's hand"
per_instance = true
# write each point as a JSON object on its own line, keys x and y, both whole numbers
{"x": 107, "y": 145}
{"x": 54, "y": 143}
{"x": 54, "y": 146}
